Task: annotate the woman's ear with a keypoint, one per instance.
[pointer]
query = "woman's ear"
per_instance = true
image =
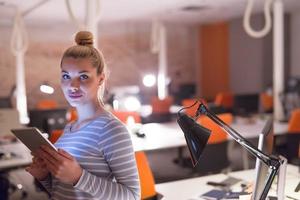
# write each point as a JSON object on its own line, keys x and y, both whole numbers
{"x": 101, "y": 78}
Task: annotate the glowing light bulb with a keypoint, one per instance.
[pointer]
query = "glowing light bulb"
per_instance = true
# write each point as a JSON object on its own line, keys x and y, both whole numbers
{"x": 47, "y": 89}
{"x": 149, "y": 80}
{"x": 132, "y": 103}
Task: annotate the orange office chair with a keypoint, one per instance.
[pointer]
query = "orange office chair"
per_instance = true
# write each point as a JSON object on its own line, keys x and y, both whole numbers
{"x": 189, "y": 102}
{"x": 147, "y": 182}
{"x": 124, "y": 115}
{"x": 55, "y": 134}
{"x": 214, "y": 158}
{"x": 161, "y": 109}
{"x": 46, "y": 104}
{"x": 161, "y": 106}
{"x": 72, "y": 114}
{"x": 294, "y": 122}
{"x": 266, "y": 102}
{"x": 217, "y": 134}
{"x": 224, "y": 99}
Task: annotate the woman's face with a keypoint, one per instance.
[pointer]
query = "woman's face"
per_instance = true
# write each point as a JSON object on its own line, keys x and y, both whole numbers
{"x": 80, "y": 81}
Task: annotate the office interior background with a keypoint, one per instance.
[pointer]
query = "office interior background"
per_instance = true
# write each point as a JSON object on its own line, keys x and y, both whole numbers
{"x": 207, "y": 51}
{"x": 126, "y": 45}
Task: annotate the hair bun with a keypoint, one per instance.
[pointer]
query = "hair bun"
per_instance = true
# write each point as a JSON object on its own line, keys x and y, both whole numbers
{"x": 84, "y": 38}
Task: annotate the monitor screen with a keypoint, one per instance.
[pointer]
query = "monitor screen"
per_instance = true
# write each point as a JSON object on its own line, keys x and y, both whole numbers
{"x": 245, "y": 104}
{"x": 48, "y": 120}
{"x": 265, "y": 144}
{"x": 5, "y": 102}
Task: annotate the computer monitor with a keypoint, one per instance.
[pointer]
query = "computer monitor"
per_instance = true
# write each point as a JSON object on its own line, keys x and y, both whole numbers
{"x": 5, "y": 102}
{"x": 48, "y": 120}
{"x": 245, "y": 104}
{"x": 265, "y": 144}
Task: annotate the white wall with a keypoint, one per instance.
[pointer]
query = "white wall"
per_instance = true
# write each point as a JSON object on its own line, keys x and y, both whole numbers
{"x": 248, "y": 68}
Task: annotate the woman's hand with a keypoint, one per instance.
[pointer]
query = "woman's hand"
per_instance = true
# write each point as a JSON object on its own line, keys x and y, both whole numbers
{"x": 61, "y": 164}
{"x": 38, "y": 168}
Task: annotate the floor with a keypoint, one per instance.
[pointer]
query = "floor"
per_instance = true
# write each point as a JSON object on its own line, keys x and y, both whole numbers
{"x": 163, "y": 172}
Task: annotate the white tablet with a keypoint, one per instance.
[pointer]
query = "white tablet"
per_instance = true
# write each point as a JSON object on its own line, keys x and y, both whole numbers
{"x": 32, "y": 138}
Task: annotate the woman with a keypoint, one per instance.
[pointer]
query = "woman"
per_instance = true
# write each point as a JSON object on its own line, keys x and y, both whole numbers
{"x": 95, "y": 158}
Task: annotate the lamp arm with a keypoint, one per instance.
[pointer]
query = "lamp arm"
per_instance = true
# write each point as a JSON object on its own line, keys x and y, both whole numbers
{"x": 272, "y": 162}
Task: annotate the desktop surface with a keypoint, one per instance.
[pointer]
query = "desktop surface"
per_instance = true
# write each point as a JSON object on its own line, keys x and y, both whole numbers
{"x": 169, "y": 135}
{"x": 193, "y": 188}
{"x": 14, "y": 155}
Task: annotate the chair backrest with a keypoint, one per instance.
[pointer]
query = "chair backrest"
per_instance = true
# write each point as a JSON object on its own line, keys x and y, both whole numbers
{"x": 217, "y": 134}
{"x": 224, "y": 99}
{"x": 147, "y": 182}
{"x": 294, "y": 122}
{"x": 189, "y": 102}
{"x": 55, "y": 134}
{"x": 266, "y": 102}
{"x": 123, "y": 116}
{"x": 161, "y": 106}
{"x": 46, "y": 104}
{"x": 72, "y": 114}
{"x": 214, "y": 158}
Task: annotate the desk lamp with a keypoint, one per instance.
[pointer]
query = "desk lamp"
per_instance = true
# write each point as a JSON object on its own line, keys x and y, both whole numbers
{"x": 197, "y": 136}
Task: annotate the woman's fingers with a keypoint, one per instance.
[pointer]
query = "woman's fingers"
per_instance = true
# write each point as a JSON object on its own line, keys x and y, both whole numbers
{"x": 54, "y": 154}
{"x": 50, "y": 166}
{"x": 65, "y": 154}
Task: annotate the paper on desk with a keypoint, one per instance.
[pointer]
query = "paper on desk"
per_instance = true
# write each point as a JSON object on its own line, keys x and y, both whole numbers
{"x": 290, "y": 189}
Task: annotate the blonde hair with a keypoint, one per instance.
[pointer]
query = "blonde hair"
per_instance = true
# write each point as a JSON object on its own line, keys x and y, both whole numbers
{"x": 84, "y": 49}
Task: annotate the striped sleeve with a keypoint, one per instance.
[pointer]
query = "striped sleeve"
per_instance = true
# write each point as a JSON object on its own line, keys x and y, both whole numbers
{"x": 47, "y": 183}
{"x": 119, "y": 154}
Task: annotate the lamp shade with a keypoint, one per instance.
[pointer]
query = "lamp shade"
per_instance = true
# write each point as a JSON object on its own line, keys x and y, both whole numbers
{"x": 196, "y": 136}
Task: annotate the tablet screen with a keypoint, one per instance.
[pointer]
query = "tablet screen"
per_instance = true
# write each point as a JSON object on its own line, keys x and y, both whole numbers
{"x": 32, "y": 138}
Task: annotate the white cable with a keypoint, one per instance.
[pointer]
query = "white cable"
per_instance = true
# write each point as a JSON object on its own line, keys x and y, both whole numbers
{"x": 26, "y": 12}
{"x": 18, "y": 31}
{"x": 155, "y": 37}
{"x": 72, "y": 16}
{"x": 268, "y": 23}
{"x": 81, "y": 26}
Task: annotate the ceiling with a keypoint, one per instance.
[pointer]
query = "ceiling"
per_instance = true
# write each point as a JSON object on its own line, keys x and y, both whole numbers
{"x": 182, "y": 11}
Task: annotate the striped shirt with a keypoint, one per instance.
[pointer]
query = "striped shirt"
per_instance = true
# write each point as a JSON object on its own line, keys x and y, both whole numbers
{"x": 103, "y": 149}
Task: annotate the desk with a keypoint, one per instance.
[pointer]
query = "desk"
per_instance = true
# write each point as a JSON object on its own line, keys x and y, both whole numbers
{"x": 169, "y": 135}
{"x": 158, "y": 136}
{"x": 189, "y": 189}
{"x": 22, "y": 155}
{"x": 252, "y": 127}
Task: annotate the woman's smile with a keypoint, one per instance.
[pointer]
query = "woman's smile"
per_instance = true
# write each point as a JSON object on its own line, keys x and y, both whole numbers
{"x": 75, "y": 95}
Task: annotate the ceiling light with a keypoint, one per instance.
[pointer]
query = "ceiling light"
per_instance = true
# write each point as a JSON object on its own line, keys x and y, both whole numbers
{"x": 149, "y": 80}
{"x": 132, "y": 103}
{"x": 47, "y": 89}
{"x": 193, "y": 8}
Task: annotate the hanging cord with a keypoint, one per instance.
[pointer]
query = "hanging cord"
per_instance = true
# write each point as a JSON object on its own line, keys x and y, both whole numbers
{"x": 19, "y": 28}
{"x": 35, "y": 6}
{"x": 81, "y": 26}
{"x": 155, "y": 37}
{"x": 268, "y": 22}
{"x": 18, "y": 31}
